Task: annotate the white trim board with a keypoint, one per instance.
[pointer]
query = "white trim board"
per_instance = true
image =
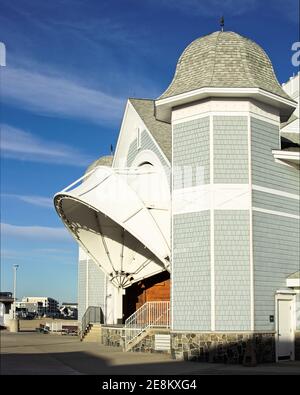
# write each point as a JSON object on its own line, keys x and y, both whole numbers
{"x": 251, "y": 268}
{"x": 279, "y": 213}
{"x": 164, "y": 106}
{"x": 242, "y": 113}
{"x": 212, "y": 228}
{"x": 211, "y": 196}
{"x": 275, "y": 192}
{"x": 211, "y": 113}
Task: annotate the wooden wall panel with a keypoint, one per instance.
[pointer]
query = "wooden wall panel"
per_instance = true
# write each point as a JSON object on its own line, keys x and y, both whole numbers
{"x": 155, "y": 288}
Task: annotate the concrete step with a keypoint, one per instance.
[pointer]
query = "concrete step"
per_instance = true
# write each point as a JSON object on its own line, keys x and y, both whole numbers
{"x": 93, "y": 334}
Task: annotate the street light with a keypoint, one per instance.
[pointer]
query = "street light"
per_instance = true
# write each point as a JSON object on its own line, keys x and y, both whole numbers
{"x": 15, "y": 267}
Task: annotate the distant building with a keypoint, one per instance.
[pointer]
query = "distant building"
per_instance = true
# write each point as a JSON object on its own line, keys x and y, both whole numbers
{"x": 40, "y": 305}
{"x": 6, "y": 300}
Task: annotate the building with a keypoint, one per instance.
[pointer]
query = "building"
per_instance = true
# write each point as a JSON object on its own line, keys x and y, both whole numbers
{"x": 39, "y": 305}
{"x": 194, "y": 221}
{"x": 6, "y": 301}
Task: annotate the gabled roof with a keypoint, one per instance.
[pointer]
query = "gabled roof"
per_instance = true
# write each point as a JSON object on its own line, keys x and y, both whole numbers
{"x": 161, "y": 131}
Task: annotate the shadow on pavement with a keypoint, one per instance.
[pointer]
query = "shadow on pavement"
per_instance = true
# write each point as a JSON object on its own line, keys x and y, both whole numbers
{"x": 74, "y": 363}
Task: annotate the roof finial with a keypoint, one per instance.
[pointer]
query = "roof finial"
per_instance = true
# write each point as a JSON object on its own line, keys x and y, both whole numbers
{"x": 222, "y": 23}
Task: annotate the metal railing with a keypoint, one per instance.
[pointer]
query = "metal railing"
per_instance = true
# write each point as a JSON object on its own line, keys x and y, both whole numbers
{"x": 151, "y": 314}
{"x": 92, "y": 315}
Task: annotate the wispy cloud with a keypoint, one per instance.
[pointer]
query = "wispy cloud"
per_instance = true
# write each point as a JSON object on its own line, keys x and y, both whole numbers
{"x": 215, "y": 8}
{"x": 288, "y": 8}
{"x": 35, "y": 232}
{"x": 37, "y": 256}
{"x": 35, "y": 252}
{"x": 54, "y": 94}
{"x": 22, "y": 145}
{"x": 212, "y": 7}
{"x": 40, "y": 201}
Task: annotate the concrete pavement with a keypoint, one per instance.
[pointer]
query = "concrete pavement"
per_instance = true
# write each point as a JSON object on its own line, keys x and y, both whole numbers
{"x": 32, "y": 353}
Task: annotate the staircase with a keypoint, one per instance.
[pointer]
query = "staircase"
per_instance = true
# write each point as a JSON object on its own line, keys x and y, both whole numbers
{"x": 150, "y": 315}
{"x": 91, "y": 323}
{"x": 93, "y": 334}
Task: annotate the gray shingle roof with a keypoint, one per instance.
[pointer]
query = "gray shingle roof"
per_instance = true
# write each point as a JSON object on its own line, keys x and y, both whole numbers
{"x": 224, "y": 60}
{"x": 291, "y": 119}
{"x": 161, "y": 131}
{"x": 102, "y": 161}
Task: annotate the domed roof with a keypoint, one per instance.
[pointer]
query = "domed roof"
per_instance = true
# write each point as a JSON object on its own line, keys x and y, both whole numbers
{"x": 223, "y": 60}
{"x": 102, "y": 161}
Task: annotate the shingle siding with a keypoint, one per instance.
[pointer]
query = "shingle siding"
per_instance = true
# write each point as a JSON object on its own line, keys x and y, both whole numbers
{"x": 96, "y": 285}
{"x": 265, "y": 171}
{"x": 81, "y": 288}
{"x": 273, "y": 202}
{"x": 94, "y": 295}
{"x": 232, "y": 270}
{"x": 147, "y": 143}
{"x": 276, "y": 256}
{"x": 275, "y": 238}
{"x": 230, "y": 149}
{"x": 191, "y": 272}
{"x": 191, "y": 153}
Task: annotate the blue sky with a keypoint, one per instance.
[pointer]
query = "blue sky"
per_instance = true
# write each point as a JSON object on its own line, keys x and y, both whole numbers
{"x": 71, "y": 64}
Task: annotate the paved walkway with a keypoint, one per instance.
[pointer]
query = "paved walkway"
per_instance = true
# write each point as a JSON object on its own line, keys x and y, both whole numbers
{"x": 34, "y": 353}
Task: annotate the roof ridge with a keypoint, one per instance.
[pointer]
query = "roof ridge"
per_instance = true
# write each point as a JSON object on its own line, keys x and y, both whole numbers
{"x": 139, "y": 98}
{"x": 245, "y": 63}
{"x": 214, "y": 61}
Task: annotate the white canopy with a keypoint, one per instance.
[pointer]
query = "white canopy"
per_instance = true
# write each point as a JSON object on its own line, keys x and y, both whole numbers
{"x": 121, "y": 218}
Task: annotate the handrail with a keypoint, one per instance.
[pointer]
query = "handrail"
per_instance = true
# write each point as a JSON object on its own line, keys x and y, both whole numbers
{"x": 150, "y": 314}
{"x": 124, "y": 171}
{"x": 92, "y": 315}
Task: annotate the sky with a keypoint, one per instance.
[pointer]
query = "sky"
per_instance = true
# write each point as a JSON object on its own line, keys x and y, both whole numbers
{"x": 70, "y": 66}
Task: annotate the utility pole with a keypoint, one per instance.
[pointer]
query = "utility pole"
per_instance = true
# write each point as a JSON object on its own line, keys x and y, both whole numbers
{"x": 15, "y": 267}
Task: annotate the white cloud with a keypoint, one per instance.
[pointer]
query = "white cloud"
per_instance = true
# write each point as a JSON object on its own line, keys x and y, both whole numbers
{"x": 35, "y": 232}
{"x": 21, "y": 145}
{"x": 54, "y": 94}
{"x": 41, "y": 201}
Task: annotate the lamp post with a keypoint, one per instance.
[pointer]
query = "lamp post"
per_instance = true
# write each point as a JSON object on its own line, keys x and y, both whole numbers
{"x": 15, "y": 267}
